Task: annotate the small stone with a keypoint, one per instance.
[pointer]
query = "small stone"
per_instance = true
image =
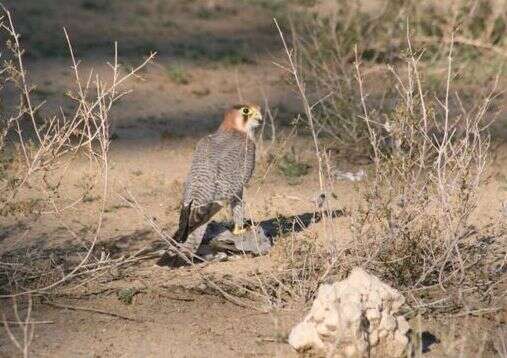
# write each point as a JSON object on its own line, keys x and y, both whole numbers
{"x": 305, "y": 336}
{"x": 350, "y": 351}
{"x": 388, "y": 323}
{"x": 374, "y": 338}
{"x": 319, "y": 312}
{"x": 322, "y": 329}
{"x": 372, "y": 314}
{"x": 402, "y": 323}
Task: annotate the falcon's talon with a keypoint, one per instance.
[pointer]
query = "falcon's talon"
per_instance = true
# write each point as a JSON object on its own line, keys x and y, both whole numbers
{"x": 238, "y": 231}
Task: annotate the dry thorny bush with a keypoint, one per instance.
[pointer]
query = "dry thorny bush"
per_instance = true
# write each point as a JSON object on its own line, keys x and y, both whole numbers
{"x": 36, "y": 152}
{"x": 328, "y": 41}
{"x": 415, "y": 227}
{"x": 429, "y": 150}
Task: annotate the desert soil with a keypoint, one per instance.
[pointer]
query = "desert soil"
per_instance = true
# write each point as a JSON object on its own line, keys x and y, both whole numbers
{"x": 210, "y": 54}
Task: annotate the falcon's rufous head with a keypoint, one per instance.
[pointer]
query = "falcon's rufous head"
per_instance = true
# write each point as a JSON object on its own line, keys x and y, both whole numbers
{"x": 243, "y": 118}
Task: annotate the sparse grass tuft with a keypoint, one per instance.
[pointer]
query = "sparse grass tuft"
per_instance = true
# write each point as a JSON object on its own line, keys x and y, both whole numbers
{"x": 126, "y": 295}
{"x": 291, "y": 167}
{"x": 178, "y": 74}
{"x": 234, "y": 55}
{"x": 275, "y": 6}
{"x": 96, "y": 5}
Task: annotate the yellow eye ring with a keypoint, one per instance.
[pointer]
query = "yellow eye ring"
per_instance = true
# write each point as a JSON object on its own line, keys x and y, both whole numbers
{"x": 245, "y": 110}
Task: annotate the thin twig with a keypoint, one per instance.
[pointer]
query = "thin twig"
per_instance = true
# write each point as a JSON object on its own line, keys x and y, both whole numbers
{"x": 29, "y": 322}
{"x": 93, "y": 310}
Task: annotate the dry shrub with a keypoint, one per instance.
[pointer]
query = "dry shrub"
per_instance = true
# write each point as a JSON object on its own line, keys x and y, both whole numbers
{"x": 378, "y": 30}
{"x": 428, "y": 168}
{"x": 329, "y": 42}
{"x": 429, "y": 151}
{"x": 300, "y": 258}
{"x": 36, "y": 153}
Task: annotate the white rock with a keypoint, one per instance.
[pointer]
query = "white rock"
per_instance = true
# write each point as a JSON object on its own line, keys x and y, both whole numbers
{"x": 357, "y": 317}
{"x": 372, "y": 314}
{"x": 304, "y": 336}
{"x": 388, "y": 323}
{"x": 374, "y": 338}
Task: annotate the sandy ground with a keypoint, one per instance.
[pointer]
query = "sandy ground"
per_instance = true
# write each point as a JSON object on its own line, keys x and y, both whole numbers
{"x": 173, "y": 313}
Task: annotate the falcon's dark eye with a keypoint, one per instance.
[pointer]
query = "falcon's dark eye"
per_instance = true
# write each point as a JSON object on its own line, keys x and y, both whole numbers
{"x": 245, "y": 111}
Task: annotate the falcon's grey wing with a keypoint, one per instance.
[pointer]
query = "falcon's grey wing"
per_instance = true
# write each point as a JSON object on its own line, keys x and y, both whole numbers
{"x": 239, "y": 158}
{"x": 198, "y": 204}
{"x": 235, "y": 167}
{"x": 200, "y": 183}
{"x": 221, "y": 165}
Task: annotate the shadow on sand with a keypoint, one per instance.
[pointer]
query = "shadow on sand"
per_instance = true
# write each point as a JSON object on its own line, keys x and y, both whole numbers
{"x": 258, "y": 241}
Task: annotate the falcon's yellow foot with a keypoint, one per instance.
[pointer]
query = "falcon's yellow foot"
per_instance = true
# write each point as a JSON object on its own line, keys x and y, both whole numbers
{"x": 238, "y": 230}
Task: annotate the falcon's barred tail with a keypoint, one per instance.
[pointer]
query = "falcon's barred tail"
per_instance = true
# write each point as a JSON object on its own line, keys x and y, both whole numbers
{"x": 191, "y": 217}
{"x": 183, "y": 229}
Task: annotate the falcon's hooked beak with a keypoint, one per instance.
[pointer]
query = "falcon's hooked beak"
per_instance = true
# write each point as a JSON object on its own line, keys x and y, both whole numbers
{"x": 253, "y": 118}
